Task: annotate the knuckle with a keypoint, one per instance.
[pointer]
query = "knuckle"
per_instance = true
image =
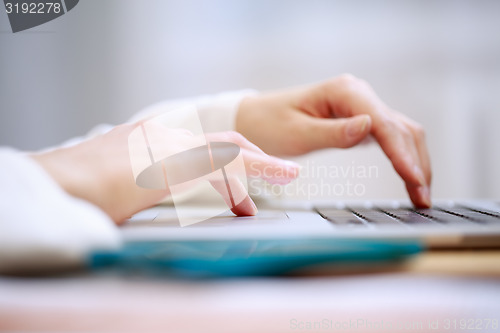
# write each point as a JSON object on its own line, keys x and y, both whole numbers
{"x": 392, "y": 126}
{"x": 342, "y": 81}
{"x": 419, "y": 131}
{"x": 388, "y": 123}
{"x": 348, "y": 83}
{"x": 405, "y": 131}
{"x": 347, "y": 78}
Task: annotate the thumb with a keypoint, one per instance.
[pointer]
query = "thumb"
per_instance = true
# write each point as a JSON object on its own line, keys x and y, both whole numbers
{"x": 337, "y": 133}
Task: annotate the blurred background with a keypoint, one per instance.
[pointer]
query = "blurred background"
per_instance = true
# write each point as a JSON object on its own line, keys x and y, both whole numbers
{"x": 436, "y": 61}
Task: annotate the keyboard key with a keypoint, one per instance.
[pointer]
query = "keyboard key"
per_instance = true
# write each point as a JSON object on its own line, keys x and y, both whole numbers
{"x": 340, "y": 217}
{"x": 447, "y": 217}
{"x": 463, "y": 217}
{"x": 481, "y": 214}
{"x": 377, "y": 217}
{"x": 409, "y": 217}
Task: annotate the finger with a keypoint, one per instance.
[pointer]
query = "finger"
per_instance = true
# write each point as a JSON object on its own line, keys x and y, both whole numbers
{"x": 257, "y": 163}
{"x": 419, "y": 195}
{"x": 319, "y": 133}
{"x": 260, "y": 165}
{"x": 420, "y": 144}
{"x": 398, "y": 143}
{"x": 272, "y": 169}
{"x": 423, "y": 154}
{"x": 235, "y": 195}
{"x": 348, "y": 95}
{"x": 425, "y": 161}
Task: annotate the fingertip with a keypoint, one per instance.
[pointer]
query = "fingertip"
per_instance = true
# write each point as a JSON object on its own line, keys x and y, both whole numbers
{"x": 425, "y": 196}
{"x": 245, "y": 208}
{"x": 420, "y": 196}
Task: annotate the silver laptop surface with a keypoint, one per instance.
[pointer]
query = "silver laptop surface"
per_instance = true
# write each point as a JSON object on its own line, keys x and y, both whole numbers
{"x": 447, "y": 224}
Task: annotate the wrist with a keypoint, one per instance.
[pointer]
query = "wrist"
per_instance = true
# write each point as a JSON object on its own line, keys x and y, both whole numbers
{"x": 248, "y": 120}
{"x": 65, "y": 166}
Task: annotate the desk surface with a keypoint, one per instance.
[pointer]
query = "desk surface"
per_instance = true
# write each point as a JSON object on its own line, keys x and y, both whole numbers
{"x": 461, "y": 262}
{"x": 440, "y": 288}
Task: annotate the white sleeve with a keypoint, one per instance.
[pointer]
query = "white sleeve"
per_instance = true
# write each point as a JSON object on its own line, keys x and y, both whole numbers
{"x": 41, "y": 226}
{"x": 217, "y": 112}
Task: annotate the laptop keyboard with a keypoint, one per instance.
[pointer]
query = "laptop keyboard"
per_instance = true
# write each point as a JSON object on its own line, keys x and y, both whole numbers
{"x": 408, "y": 217}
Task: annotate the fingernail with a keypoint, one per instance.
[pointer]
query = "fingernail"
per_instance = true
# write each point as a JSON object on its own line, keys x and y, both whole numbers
{"x": 420, "y": 175}
{"x": 424, "y": 195}
{"x": 357, "y": 126}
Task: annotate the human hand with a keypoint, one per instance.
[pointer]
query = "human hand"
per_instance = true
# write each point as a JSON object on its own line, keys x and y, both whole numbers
{"x": 99, "y": 170}
{"x": 339, "y": 113}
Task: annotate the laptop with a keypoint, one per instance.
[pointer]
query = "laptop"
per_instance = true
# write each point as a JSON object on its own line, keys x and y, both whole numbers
{"x": 448, "y": 224}
{"x": 294, "y": 236}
